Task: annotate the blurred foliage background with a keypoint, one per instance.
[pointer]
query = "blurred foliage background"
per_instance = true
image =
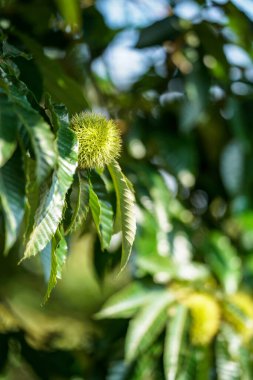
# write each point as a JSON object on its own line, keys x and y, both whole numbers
{"x": 178, "y": 78}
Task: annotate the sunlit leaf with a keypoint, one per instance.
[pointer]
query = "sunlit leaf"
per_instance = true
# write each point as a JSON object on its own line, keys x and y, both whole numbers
{"x": 174, "y": 342}
{"x": 146, "y": 326}
{"x": 125, "y": 211}
{"x": 126, "y": 302}
{"x": 224, "y": 261}
{"x": 228, "y": 368}
{"x": 50, "y": 211}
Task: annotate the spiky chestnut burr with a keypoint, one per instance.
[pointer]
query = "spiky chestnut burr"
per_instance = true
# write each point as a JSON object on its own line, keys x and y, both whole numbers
{"x": 205, "y": 317}
{"x": 99, "y": 140}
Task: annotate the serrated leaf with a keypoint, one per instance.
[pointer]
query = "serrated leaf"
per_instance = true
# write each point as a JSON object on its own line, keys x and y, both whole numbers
{"x": 126, "y": 302}
{"x": 10, "y": 51}
{"x": 174, "y": 342}
{"x": 82, "y": 204}
{"x": 58, "y": 254}
{"x": 32, "y": 195}
{"x": 101, "y": 210}
{"x": 8, "y": 130}
{"x": 146, "y": 326}
{"x": 125, "y": 211}
{"x": 12, "y": 196}
{"x": 50, "y": 212}
{"x": 41, "y": 137}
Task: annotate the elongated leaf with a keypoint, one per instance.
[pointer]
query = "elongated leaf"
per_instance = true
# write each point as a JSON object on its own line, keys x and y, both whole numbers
{"x": 174, "y": 342}
{"x": 203, "y": 363}
{"x": 126, "y": 302}
{"x": 41, "y": 137}
{"x": 12, "y": 196}
{"x": 101, "y": 211}
{"x": 58, "y": 252}
{"x": 81, "y": 204}
{"x": 32, "y": 195}
{"x": 148, "y": 366}
{"x": 50, "y": 212}
{"x": 125, "y": 211}
{"x": 246, "y": 363}
{"x": 228, "y": 368}
{"x": 224, "y": 261}
{"x": 197, "y": 364}
{"x": 147, "y": 325}
{"x": 10, "y": 51}
{"x": 8, "y": 130}
{"x": 45, "y": 258}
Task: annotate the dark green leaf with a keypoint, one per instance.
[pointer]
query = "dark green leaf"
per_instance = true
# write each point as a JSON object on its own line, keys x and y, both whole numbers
{"x": 58, "y": 252}
{"x": 41, "y": 137}
{"x": 81, "y": 204}
{"x": 11, "y": 51}
{"x": 8, "y": 130}
{"x": 12, "y": 196}
{"x": 101, "y": 210}
{"x": 166, "y": 29}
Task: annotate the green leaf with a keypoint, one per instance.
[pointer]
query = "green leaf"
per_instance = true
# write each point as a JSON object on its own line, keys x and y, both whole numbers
{"x": 101, "y": 210}
{"x": 224, "y": 261}
{"x": 12, "y": 196}
{"x": 10, "y": 51}
{"x": 148, "y": 364}
{"x": 146, "y": 326}
{"x": 50, "y": 211}
{"x": 8, "y": 130}
{"x": 82, "y": 204}
{"x": 196, "y": 365}
{"x": 32, "y": 195}
{"x": 71, "y": 12}
{"x": 125, "y": 211}
{"x": 228, "y": 367}
{"x": 41, "y": 137}
{"x": 174, "y": 342}
{"x": 60, "y": 86}
{"x": 126, "y": 302}
{"x": 59, "y": 250}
